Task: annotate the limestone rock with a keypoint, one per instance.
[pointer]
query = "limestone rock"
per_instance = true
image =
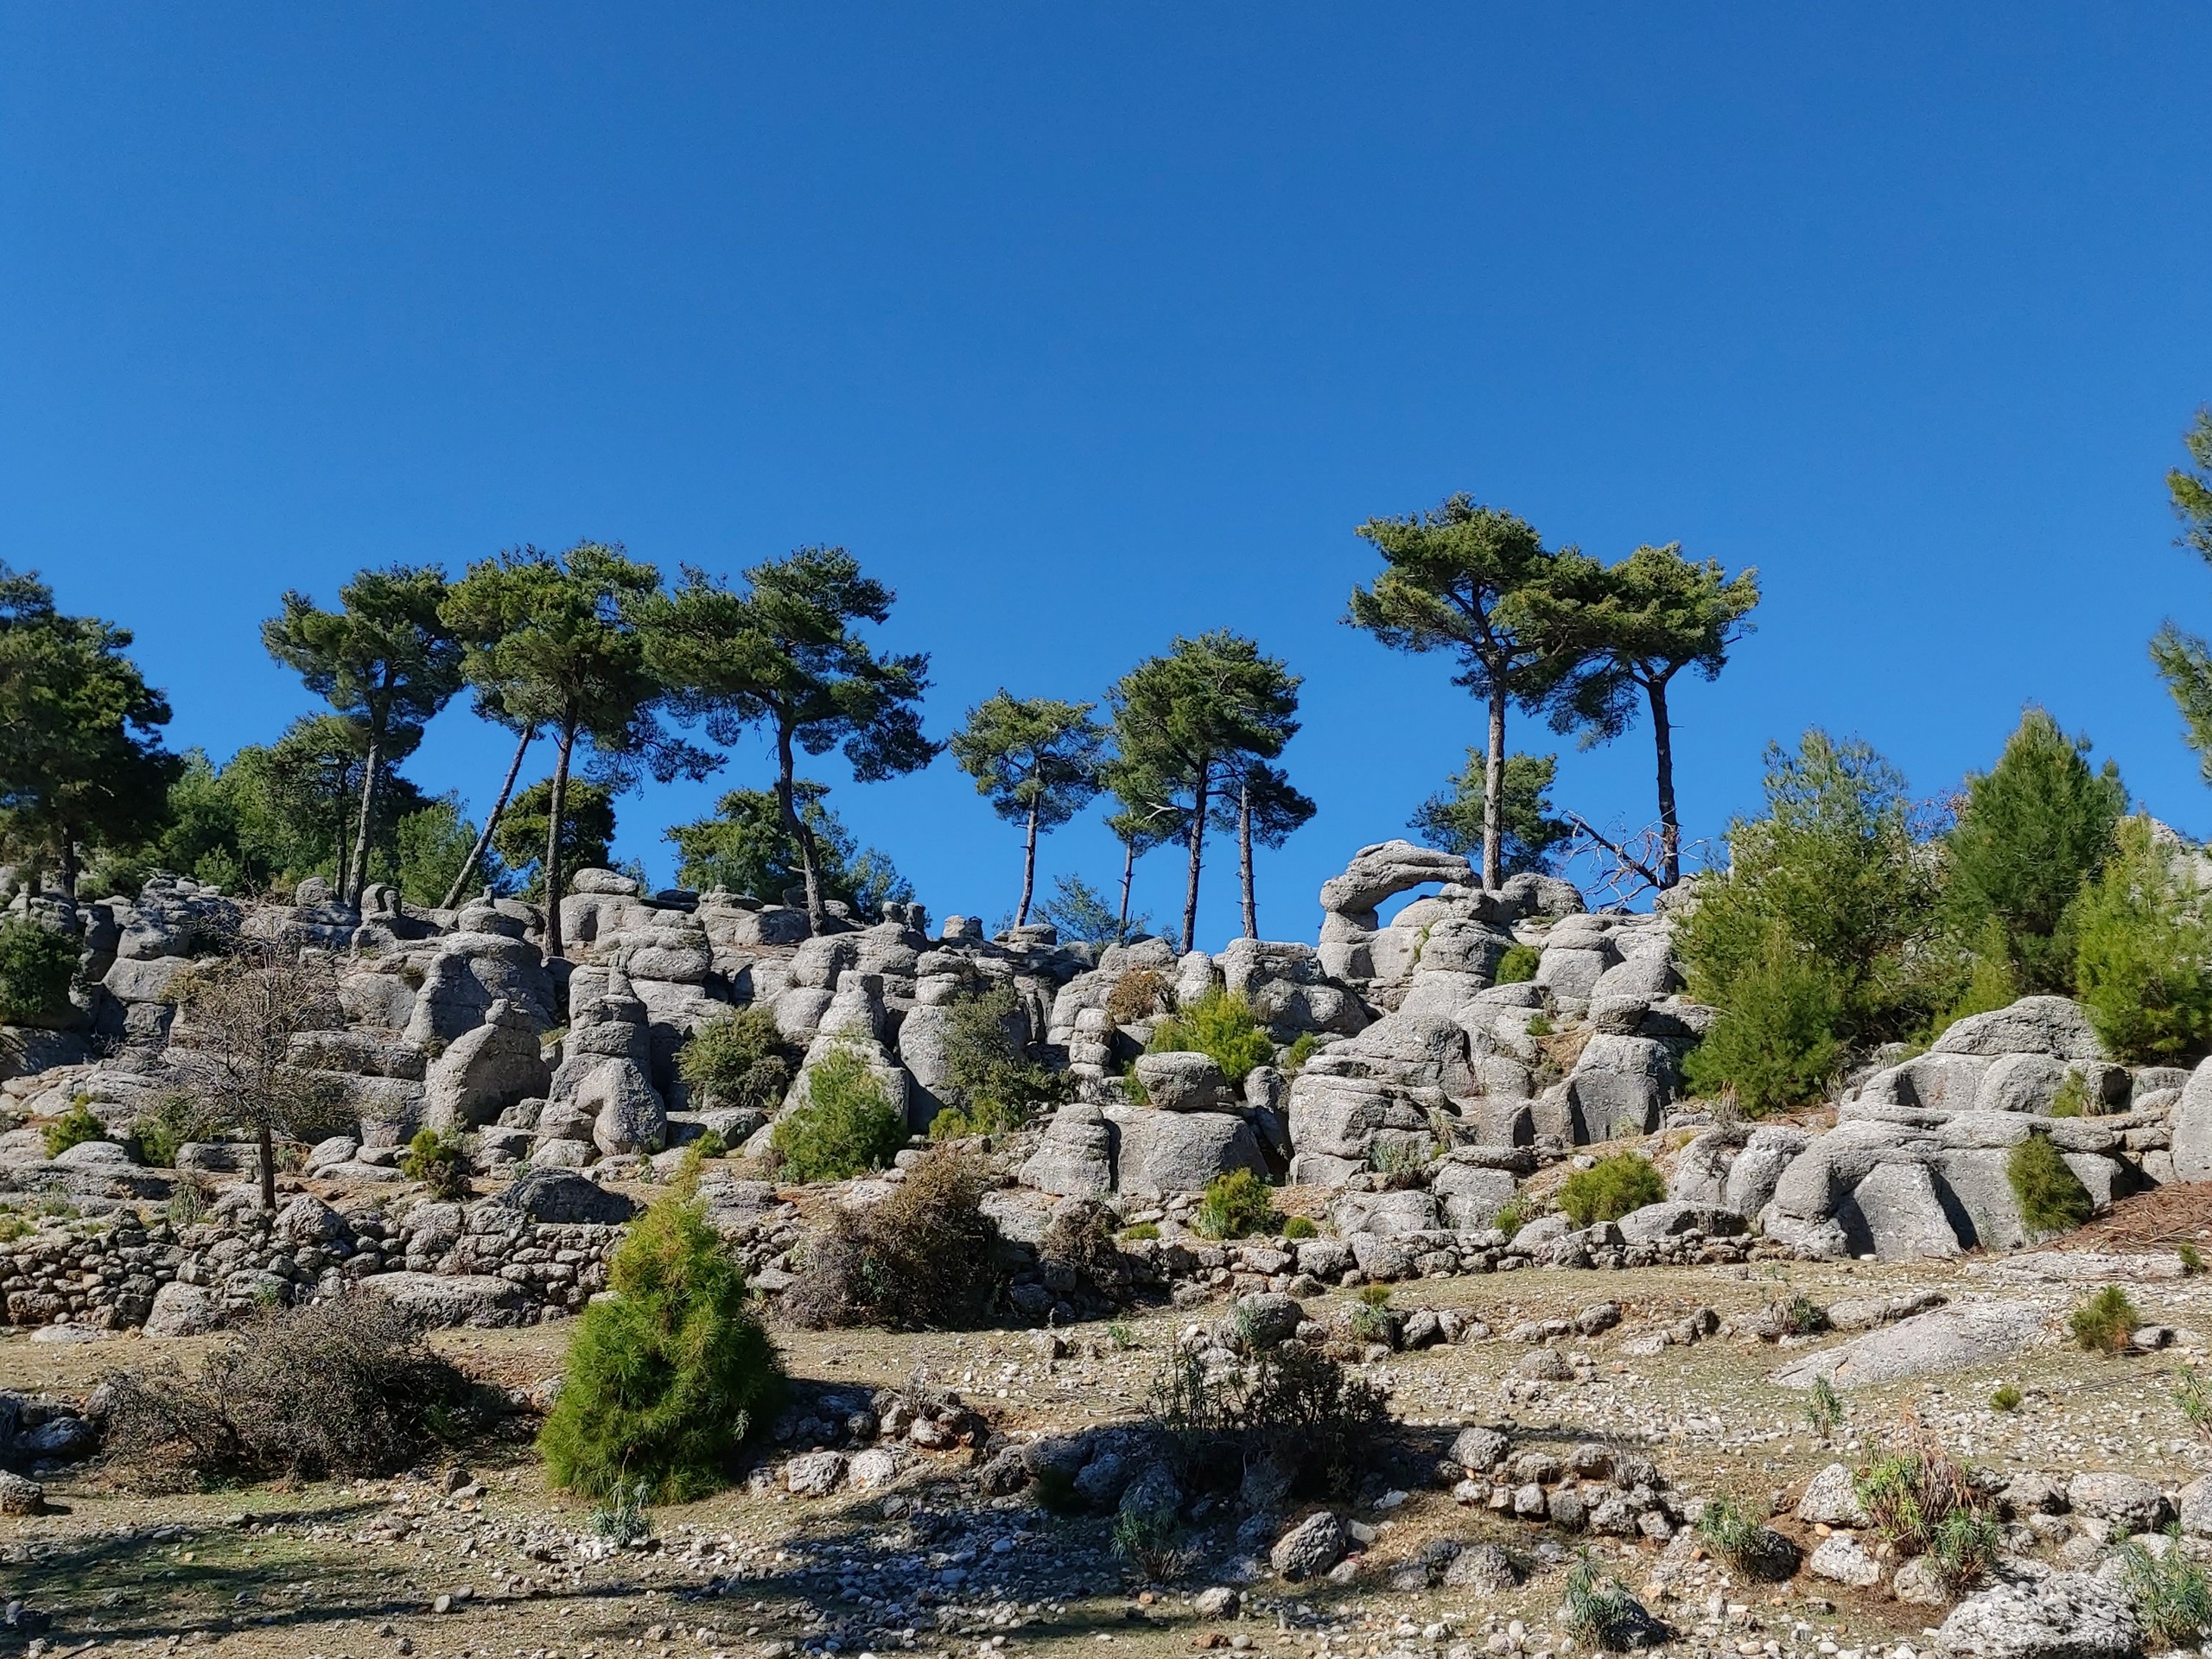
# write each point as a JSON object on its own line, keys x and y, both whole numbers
{"x": 1180, "y": 1152}
{"x": 1310, "y": 1548}
{"x": 2065, "y": 1615}
{"x": 484, "y": 1071}
{"x": 181, "y": 1310}
{"x": 564, "y": 1198}
{"x": 1075, "y": 1157}
{"x": 444, "y": 1300}
{"x": 1181, "y": 1082}
{"x": 1948, "y": 1338}
{"x": 2034, "y": 1025}
{"x": 1831, "y": 1500}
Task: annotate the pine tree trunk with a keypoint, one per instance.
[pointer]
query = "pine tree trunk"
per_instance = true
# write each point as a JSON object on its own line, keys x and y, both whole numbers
{"x": 556, "y": 807}
{"x": 1244, "y": 858}
{"x": 1494, "y": 792}
{"x": 352, "y": 895}
{"x": 1028, "y": 868}
{"x": 1128, "y": 872}
{"x": 67, "y": 854}
{"x": 267, "y": 1140}
{"x": 817, "y": 914}
{"x": 1197, "y": 854}
{"x": 1670, "y": 824}
{"x": 491, "y": 822}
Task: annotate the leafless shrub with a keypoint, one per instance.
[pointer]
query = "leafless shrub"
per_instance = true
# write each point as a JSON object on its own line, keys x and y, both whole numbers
{"x": 922, "y": 1259}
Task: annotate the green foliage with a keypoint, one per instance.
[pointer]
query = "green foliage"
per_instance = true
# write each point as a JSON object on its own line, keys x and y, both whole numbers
{"x": 2031, "y": 832}
{"x": 439, "y": 1161}
{"x": 1081, "y": 913}
{"x": 746, "y": 848}
{"x": 845, "y": 1126}
{"x": 36, "y": 965}
{"x": 1371, "y": 1319}
{"x": 1302, "y": 1049}
{"x": 1452, "y": 820}
{"x": 1597, "y": 1610}
{"x": 1513, "y": 1215}
{"x": 2190, "y": 486}
{"x": 1540, "y": 1024}
{"x": 1295, "y": 1227}
{"x": 1823, "y": 933}
{"x": 667, "y": 1375}
{"x": 1824, "y": 1408}
{"x": 1141, "y": 1230}
{"x": 72, "y": 1128}
{"x": 1610, "y": 1188}
{"x": 1518, "y": 965}
{"x": 1989, "y": 982}
{"x": 2050, "y": 1195}
{"x": 1191, "y": 723}
{"x": 1288, "y": 1404}
{"x": 2192, "y": 1259}
{"x": 1734, "y": 1535}
{"x": 2193, "y": 1396}
{"x": 1222, "y": 1027}
{"x": 990, "y": 1084}
{"x": 622, "y": 1519}
{"x": 738, "y": 1058}
{"x": 81, "y": 755}
{"x": 2072, "y": 1099}
{"x": 2104, "y": 1323}
{"x": 2006, "y": 1399}
{"x": 1910, "y": 1488}
{"x": 1236, "y": 1205}
{"x": 1776, "y": 1045}
{"x": 1964, "y": 1547}
{"x": 169, "y": 1123}
{"x": 429, "y": 847}
{"x": 586, "y": 831}
{"x": 1150, "y": 1540}
{"x": 2172, "y": 1593}
{"x": 2143, "y": 942}
{"x": 1036, "y": 760}
{"x": 782, "y": 653}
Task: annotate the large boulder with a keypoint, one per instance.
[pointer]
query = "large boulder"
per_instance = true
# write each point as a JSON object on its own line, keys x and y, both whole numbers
{"x": 469, "y": 972}
{"x": 2063, "y": 1616}
{"x": 2192, "y": 1126}
{"x": 1943, "y": 1339}
{"x": 1619, "y": 1084}
{"x": 441, "y": 1300}
{"x": 484, "y": 1071}
{"x": 2034, "y": 1024}
{"x": 1075, "y": 1157}
{"x": 564, "y": 1197}
{"x": 1182, "y": 1081}
{"x": 1180, "y": 1152}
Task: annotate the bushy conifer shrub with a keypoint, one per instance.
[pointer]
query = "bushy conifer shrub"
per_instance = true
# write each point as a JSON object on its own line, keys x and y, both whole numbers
{"x": 1777, "y": 1043}
{"x": 990, "y": 1083}
{"x": 669, "y": 1375}
{"x": 846, "y": 1125}
{"x": 36, "y": 965}
{"x": 1610, "y": 1188}
{"x": 1236, "y": 1205}
{"x": 2143, "y": 942}
{"x": 2051, "y": 1196}
{"x": 1220, "y": 1027}
{"x": 738, "y": 1058}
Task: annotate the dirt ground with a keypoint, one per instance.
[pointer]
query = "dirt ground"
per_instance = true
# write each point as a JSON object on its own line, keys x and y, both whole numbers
{"x": 398, "y": 1567}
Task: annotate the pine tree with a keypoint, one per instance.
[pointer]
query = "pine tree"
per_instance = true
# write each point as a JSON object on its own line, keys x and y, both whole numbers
{"x": 1036, "y": 760}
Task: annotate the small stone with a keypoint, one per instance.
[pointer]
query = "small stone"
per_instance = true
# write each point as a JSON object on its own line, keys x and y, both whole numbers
{"x": 1219, "y": 1602}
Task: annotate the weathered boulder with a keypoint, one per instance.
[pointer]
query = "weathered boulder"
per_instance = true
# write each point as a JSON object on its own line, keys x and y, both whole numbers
{"x": 1179, "y": 1152}
{"x": 565, "y": 1199}
{"x": 1181, "y": 1082}
{"x": 2034, "y": 1025}
{"x": 1074, "y": 1158}
{"x": 1311, "y": 1547}
{"x": 2192, "y": 1126}
{"x": 1619, "y": 1084}
{"x": 1947, "y": 1338}
{"x": 466, "y": 974}
{"x": 183, "y": 1310}
{"x": 444, "y": 1300}
{"x": 2063, "y": 1616}
{"x": 484, "y": 1071}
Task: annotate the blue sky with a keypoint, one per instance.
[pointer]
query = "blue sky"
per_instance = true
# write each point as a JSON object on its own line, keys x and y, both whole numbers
{"x": 1082, "y": 326}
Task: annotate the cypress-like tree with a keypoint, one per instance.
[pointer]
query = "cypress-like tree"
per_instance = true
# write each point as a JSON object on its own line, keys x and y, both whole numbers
{"x": 2032, "y": 830}
{"x": 1036, "y": 761}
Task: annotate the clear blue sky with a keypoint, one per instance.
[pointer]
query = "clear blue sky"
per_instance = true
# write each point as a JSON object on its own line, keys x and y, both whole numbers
{"x": 1085, "y": 324}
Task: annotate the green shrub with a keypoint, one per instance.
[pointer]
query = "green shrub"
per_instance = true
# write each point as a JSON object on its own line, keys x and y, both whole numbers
{"x": 1776, "y": 1045}
{"x": 990, "y": 1084}
{"x": 1824, "y": 1408}
{"x": 924, "y": 1258}
{"x": 169, "y": 1123}
{"x": 2006, "y": 1399}
{"x": 1518, "y": 965}
{"x": 1372, "y": 1317}
{"x": 1598, "y": 1610}
{"x": 621, "y": 1519}
{"x": 1142, "y": 1230}
{"x": 1220, "y": 1027}
{"x": 1740, "y": 1538}
{"x": 72, "y": 1128}
{"x": 1300, "y": 1227}
{"x": 1964, "y": 1547}
{"x": 667, "y": 1375}
{"x": 1236, "y": 1205}
{"x": 738, "y": 1058}
{"x": 1150, "y": 1538}
{"x": 2142, "y": 943}
{"x": 1910, "y": 1488}
{"x": 2072, "y": 1099}
{"x": 36, "y": 965}
{"x": 2103, "y": 1324}
{"x": 845, "y": 1126}
{"x": 1610, "y": 1188}
{"x": 2051, "y": 1196}
{"x": 1294, "y": 1058}
{"x": 2191, "y": 1260}
{"x": 1513, "y": 1215}
{"x": 1138, "y": 994}
{"x": 440, "y": 1162}
{"x": 2030, "y": 832}
{"x": 1540, "y": 1024}
{"x": 1289, "y": 1405}
{"x": 1989, "y": 985}
{"x": 2172, "y": 1596}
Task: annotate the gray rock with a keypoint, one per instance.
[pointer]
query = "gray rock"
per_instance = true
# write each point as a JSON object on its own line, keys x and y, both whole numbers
{"x": 1180, "y": 1152}
{"x": 183, "y": 1310}
{"x": 1949, "y": 1338}
{"x": 1619, "y": 1084}
{"x": 1841, "y": 1559}
{"x": 484, "y": 1071}
{"x": 2192, "y": 1126}
{"x": 2034, "y": 1025}
{"x": 1268, "y": 1317}
{"x": 21, "y": 1497}
{"x": 814, "y": 1474}
{"x": 444, "y": 1300}
{"x": 1075, "y": 1156}
{"x": 1897, "y": 1215}
{"x": 564, "y": 1197}
{"x": 1831, "y": 1501}
{"x": 1181, "y": 1083}
{"x": 1310, "y": 1548}
{"x": 2065, "y": 1615}
{"x": 1484, "y": 1567}
{"x": 2125, "y": 1500}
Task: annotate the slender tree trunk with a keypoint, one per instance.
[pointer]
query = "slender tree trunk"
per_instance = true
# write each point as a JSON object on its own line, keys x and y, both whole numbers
{"x": 342, "y": 798}
{"x": 1670, "y": 824}
{"x": 1028, "y": 868}
{"x": 351, "y": 895}
{"x": 1197, "y": 854}
{"x": 491, "y": 822}
{"x": 1244, "y": 858}
{"x": 1128, "y": 872}
{"x": 1494, "y": 792}
{"x": 268, "y": 1139}
{"x": 817, "y": 914}
{"x": 68, "y": 860}
{"x": 556, "y": 807}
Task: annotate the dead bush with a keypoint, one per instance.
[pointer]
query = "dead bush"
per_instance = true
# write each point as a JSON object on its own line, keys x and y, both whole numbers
{"x": 345, "y": 1386}
{"x": 1137, "y": 994}
{"x": 1079, "y": 1256}
{"x": 1289, "y": 1407}
{"x": 925, "y": 1258}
